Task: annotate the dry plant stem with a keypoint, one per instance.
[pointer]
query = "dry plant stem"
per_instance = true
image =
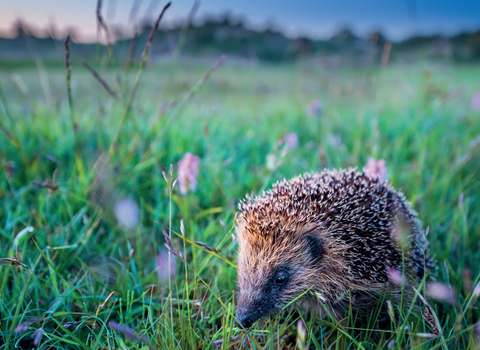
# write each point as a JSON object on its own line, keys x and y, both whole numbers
{"x": 432, "y": 311}
{"x": 69, "y": 92}
{"x": 131, "y": 21}
{"x": 202, "y": 247}
{"x": 101, "y": 306}
{"x": 190, "y": 93}
{"x": 183, "y": 32}
{"x": 131, "y": 51}
{"x": 219, "y": 342}
{"x": 11, "y": 135}
{"x": 42, "y": 73}
{"x": 385, "y": 54}
{"x": 15, "y": 141}
{"x": 169, "y": 264}
{"x": 99, "y": 26}
{"x": 102, "y": 24}
{"x": 170, "y": 184}
{"x": 182, "y": 230}
{"x": 204, "y": 78}
{"x": 144, "y": 57}
{"x": 134, "y": 11}
{"x": 100, "y": 79}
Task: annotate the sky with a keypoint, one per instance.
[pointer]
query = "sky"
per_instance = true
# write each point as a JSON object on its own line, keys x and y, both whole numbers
{"x": 318, "y": 19}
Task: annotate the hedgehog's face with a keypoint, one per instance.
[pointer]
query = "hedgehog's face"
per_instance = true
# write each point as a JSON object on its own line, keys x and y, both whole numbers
{"x": 273, "y": 271}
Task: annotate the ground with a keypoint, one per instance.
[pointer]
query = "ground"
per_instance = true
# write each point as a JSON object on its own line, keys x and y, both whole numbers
{"x": 86, "y": 224}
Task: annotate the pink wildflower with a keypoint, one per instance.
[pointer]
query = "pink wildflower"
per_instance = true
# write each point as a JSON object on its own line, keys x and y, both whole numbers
{"x": 315, "y": 108}
{"x": 476, "y": 101}
{"x": 162, "y": 266}
{"x": 441, "y": 292}
{"x": 127, "y": 213}
{"x": 394, "y": 275}
{"x": 290, "y": 139}
{"x": 376, "y": 169}
{"x": 37, "y": 336}
{"x": 188, "y": 172}
{"x": 302, "y": 335}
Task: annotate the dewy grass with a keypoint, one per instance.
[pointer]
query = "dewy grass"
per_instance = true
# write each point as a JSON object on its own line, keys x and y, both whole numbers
{"x": 84, "y": 269}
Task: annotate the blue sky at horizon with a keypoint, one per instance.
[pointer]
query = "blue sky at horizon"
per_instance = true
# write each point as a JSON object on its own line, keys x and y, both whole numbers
{"x": 318, "y": 19}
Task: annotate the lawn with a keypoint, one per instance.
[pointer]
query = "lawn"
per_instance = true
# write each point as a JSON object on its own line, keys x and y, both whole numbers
{"x": 82, "y": 220}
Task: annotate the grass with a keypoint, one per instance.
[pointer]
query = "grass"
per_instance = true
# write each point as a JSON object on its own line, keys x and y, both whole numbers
{"x": 87, "y": 282}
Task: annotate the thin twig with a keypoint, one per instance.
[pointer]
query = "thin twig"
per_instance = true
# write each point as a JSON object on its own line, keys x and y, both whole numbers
{"x": 220, "y": 341}
{"x": 102, "y": 24}
{"x": 184, "y": 30}
{"x": 130, "y": 333}
{"x": 201, "y": 305}
{"x": 69, "y": 88}
{"x": 78, "y": 158}
{"x": 11, "y": 135}
{"x": 189, "y": 94}
{"x": 101, "y": 306}
{"x": 386, "y": 54}
{"x": 100, "y": 20}
{"x": 131, "y": 50}
{"x": 100, "y": 79}
{"x": 13, "y": 262}
{"x": 145, "y": 53}
{"x": 134, "y": 12}
{"x": 205, "y": 77}
{"x": 133, "y": 42}
{"x": 151, "y": 8}
{"x": 42, "y": 73}
{"x": 45, "y": 184}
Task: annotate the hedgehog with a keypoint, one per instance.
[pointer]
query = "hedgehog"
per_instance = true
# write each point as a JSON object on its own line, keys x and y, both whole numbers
{"x": 329, "y": 242}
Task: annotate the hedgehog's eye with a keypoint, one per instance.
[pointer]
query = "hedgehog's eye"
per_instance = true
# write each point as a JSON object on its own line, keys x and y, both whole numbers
{"x": 281, "y": 277}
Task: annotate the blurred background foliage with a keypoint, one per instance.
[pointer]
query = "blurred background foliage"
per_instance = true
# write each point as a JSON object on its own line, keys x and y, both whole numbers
{"x": 81, "y": 219}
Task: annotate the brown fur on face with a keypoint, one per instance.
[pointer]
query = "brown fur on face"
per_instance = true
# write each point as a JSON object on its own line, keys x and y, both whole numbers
{"x": 352, "y": 216}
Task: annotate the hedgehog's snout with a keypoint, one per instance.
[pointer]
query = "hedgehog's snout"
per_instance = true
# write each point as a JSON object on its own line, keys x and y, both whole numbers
{"x": 244, "y": 320}
{"x": 247, "y": 315}
{"x": 249, "y": 310}
{"x": 254, "y": 305}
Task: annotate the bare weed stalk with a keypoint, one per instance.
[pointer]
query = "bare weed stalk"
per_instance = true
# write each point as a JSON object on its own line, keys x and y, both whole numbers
{"x": 189, "y": 95}
{"x": 184, "y": 31}
{"x": 102, "y": 24}
{"x": 42, "y": 73}
{"x": 131, "y": 51}
{"x": 11, "y": 135}
{"x": 100, "y": 79}
{"x": 128, "y": 106}
{"x": 68, "y": 67}
{"x": 168, "y": 238}
{"x": 69, "y": 86}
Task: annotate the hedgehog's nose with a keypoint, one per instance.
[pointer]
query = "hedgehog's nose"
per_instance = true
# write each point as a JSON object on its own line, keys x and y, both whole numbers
{"x": 245, "y": 321}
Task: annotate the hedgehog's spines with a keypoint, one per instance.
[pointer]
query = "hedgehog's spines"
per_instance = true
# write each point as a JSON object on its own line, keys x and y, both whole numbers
{"x": 359, "y": 211}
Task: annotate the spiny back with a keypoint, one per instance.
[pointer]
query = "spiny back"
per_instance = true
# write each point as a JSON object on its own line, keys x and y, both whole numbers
{"x": 361, "y": 214}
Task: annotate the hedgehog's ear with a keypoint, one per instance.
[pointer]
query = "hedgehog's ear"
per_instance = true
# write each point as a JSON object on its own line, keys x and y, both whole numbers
{"x": 315, "y": 247}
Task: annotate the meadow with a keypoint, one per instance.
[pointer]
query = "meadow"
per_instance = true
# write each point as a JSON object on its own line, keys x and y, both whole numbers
{"x": 83, "y": 261}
